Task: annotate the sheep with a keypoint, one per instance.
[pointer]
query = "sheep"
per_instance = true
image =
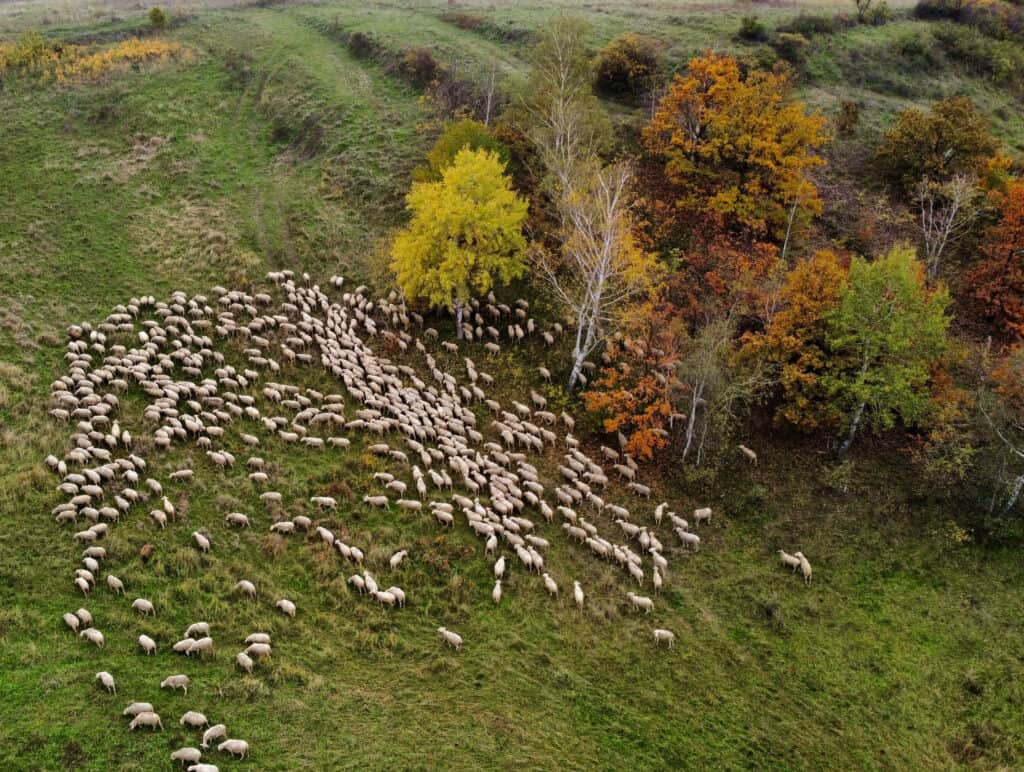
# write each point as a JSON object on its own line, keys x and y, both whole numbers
{"x": 107, "y": 680}
{"x": 396, "y": 560}
{"x": 197, "y": 628}
{"x": 377, "y": 501}
{"x": 247, "y": 588}
{"x": 287, "y": 607}
{"x": 640, "y": 602}
{"x": 700, "y": 515}
{"x": 550, "y": 585}
{"x": 136, "y": 708}
{"x": 193, "y": 719}
{"x": 176, "y": 682}
{"x": 283, "y": 527}
{"x": 805, "y": 567}
{"x": 84, "y": 616}
{"x": 237, "y": 518}
{"x": 202, "y": 542}
{"x": 452, "y": 639}
{"x": 201, "y": 646}
{"x": 496, "y": 592}
{"x": 751, "y": 455}
{"x": 258, "y": 638}
{"x": 789, "y": 561}
{"x": 215, "y": 732}
{"x": 144, "y": 607}
{"x": 115, "y": 584}
{"x": 240, "y": 747}
{"x": 577, "y": 594}
{"x": 244, "y": 661}
{"x": 688, "y": 539}
{"x": 184, "y": 646}
{"x": 186, "y": 755}
{"x": 147, "y": 644}
{"x": 259, "y": 650}
{"x": 92, "y": 635}
{"x": 499, "y": 567}
{"x": 146, "y": 719}
{"x": 664, "y": 636}
{"x": 72, "y": 622}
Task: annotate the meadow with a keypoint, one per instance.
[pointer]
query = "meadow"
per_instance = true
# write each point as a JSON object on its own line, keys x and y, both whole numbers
{"x": 274, "y": 147}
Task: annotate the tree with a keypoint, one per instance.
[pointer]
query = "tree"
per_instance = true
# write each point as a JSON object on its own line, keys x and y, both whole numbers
{"x": 795, "y": 343}
{"x": 946, "y": 213}
{"x": 157, "y": 17}
{"x": 599, "y": 267}
{"x": 998, "y": 278}
{"x": 737, "y": 146}
{"x": 1002, "y": 405}
{"x": 887, "y": 332}
{"x": 466, "y": 231}
{"x": 456, "y": 136}
{"x": 628, "y": 66}
{"x": 951, "y": 138}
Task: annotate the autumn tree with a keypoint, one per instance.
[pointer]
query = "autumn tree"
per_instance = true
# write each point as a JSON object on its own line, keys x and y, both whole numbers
{"x": 886, "y": 333}
{"x": 1001, "y": 403}
{"x": 795, "y": 344}
{"x": 465, "y": 233}
{"x": 952, "y": 138}
{"x": 998, "y": 279}
{"x": 946, "y": 213}
{"x": 628, "y": 66}
{"x": 456, "y": 136}
{"x": 738, "y": 146}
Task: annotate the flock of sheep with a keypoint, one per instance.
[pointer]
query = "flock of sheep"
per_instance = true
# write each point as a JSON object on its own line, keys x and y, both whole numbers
{"x": 444, "y": 463}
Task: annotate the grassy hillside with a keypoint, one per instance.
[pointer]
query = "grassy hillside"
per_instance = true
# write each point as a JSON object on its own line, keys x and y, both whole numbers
{"x": 275, "y": 148}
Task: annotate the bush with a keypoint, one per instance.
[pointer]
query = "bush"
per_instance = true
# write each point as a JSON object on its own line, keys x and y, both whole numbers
{"x": 157, "y": 17}
{"x": 792, "y": 47}
{"x": 362, "y": 45}
{"x": 810, "y": 24}
{"x": 628, "y": 66}
{"x": 878, "y": 14}
{"x": 418, "y": 66}
{"x": 752, "y": 30}
{"x": 848, "y": 118}
{"x": 1000, "y": 60}
{"x": 456, "y": 136}
{"x": 939, "y": 9}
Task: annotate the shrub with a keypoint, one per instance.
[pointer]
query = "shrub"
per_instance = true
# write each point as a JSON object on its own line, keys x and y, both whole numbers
{"x": 810, "y": 24}
{"x": 418, "y": 66}
{"x": 792, "y": 46}
{"x": 628, "y": 66}
{"x": 157, "y": 17}
{"x": 362, "y": 46}
{"x": 879, "y": 14}
{"x": 848, "y": 118}
{"x": 752, "y": 30}
{"x": 456, "y": 136}
{"x": 939, "y": 9}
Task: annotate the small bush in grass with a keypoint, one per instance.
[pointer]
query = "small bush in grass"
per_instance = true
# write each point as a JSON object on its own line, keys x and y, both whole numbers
{"x": 418, "y": 66}
{"x": 848, "y": 118}
{"x": 879, "y": 14}
{"x": 752, "y": 30}
{"x": 792, "y": 47}
{"x": 751, "y": 503}
{"x": 810, "y": 24}
{"x": 157, "y": 17}
{"x": 628, "y": 66}
{"x": 362, "y": 45}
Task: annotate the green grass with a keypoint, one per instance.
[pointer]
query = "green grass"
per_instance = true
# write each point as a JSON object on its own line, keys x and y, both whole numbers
{"x": 902, "y": 654}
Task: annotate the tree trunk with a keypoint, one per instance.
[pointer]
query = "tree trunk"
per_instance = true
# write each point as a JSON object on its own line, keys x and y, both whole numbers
{"x": 1015, "y": 490}
{"x": 692, "y": 421}
{"x": 458, "y": 319}
{"x": 857, "y": 415}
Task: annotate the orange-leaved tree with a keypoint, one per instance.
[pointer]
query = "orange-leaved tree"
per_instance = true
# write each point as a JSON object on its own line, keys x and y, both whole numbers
{"x": 998, "y": 279}
{"x": 737, "y": 145}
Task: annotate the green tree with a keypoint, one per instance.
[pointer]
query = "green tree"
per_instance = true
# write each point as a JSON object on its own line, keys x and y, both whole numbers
{"x": 886, "y": 334}
{"x": 456, "y": 136}
{"x": 466, "y": 231}
{"x": 157, "y": 17}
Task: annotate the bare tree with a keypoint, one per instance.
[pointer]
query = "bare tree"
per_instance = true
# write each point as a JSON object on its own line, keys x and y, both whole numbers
{"x": 947, "y": 210}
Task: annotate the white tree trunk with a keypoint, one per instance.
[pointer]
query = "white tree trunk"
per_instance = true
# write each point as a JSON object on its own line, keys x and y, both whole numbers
{"x": 458, "y": 319}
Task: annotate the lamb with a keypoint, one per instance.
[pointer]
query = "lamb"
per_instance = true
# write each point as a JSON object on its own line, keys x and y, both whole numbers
{"x": 144, "y": 607}
{"x": 115, "y": 584}
{"x": 215, "y": 732}
{"x": 107, "y": 680}
{"x": 92, "y": 635}
{"x": 240, "y": 747}
{"x": 664, "y": 636}
{"x": 176, "y": 682}
{"x": 146, "y": 719}
{"x": 286, "y": 607}
{"x": 805, "y": 567}
{"x": 700, "y": 515}
{"x": 147, "y": 644}
{"x": 193, "y": 719}
{"x": 136, "y": 708}
{"x": 186, "y": 755}
{"x": 452, "y": 639}
{"x": 751, "y": 455}
{"x": 789, "y": 561}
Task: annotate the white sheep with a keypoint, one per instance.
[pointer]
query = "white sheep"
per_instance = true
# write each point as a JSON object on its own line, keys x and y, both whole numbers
{"x": 259, "y": 650}
{"x": 396, "y": 560}
{"x": 245, "y": 587}
{"x": 452, "y": 639}
{"x": 147, "y": 644}
{"x": 258, "y": 638}
{"x": 641, "y": 602}
{"x": 176, "y": 682}
{"x": 202, "y": 542}
{"x": 136, "y": 708}
{"x": 789, "y": 561}
{"x": 198, "y": 628}
{"x": 751, "y": 455}
{"x": 664, "y": 636}
{"x": 107, "y": 680}
{"x": 286, "y": 607}
{"x": 499, "y": 567}
{"x": 143, "y": 606}
{"x": 702, "y": 514}
{"x": 193, "y": 719}
{"x": 496, "y": 592}
{"x": 215, "y": 732}
{"x": 202, "y": 768}
{"x": 577, "y": 594}
{"x": 239, "y": 747}
{"x": 805, "y": 567}
{"x": 244, "y": 661}
{"x": 115, "y": 584}
{"x": 186, "y": 755}
{"x": 550, "y": 585}
{"x": 72, "y": 621}
{"x": 146, "y": 719}
{"x": 92, "y": 635}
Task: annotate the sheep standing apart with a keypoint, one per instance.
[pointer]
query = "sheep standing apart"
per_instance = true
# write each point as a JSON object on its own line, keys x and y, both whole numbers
{"x": 702, "y": 514}
{"x": 147, "y": 644}
{"x": 550, "y": 585}
{"x": 235, "y": 747}
{"x": 107, "y": 680}
{"x": 202, "y": 542}
{"x": 92, "y": 635}
{"x": 144, "y": 607}
{"x": 805, "y": 567}
{"x": 496, "y": 592}
{"x": 247, "y": 588}
{"x": 115, "y": 584}
{"x": 578, "y": 596}
{"x": 176, "y": 682}
{"x": 641, "y": 602}
{"x": 186, "y": 755}
{"x": 664, "y": 636}
{"x": 452, "y": 639}
{"x": 751, "y": 455}
{"x": 397, "y": 558}
{"x": 146, "y": 719}
{"x": 286, "y": 607}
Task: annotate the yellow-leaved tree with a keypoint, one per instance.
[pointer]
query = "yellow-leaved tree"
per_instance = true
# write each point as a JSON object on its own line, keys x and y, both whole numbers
{"x": 466, "y": 233}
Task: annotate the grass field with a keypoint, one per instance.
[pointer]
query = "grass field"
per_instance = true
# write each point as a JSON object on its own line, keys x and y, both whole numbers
{"x": 275, "y": 148}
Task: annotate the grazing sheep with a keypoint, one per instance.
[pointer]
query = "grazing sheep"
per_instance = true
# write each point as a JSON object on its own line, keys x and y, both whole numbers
{"x": 259, "y": 650}
{"x": 84, "y": 616}
{"x": 92, "y": 635}
{"x": 244, "y": 661}
{"x": 144, "y": 607}
{"x": 147, "y": 644}
{"x": 283, "y": 527}
{"x": 496, "y": 592}
{"x": 202, "y": 542}
{"x": 789, "y": 561}
{"x": 201, "y": 646}
{"x": 240, "y": 747}
{"x": 107, "y": 680}
{"x": 215, "y": 732}
{"x": 805, "y": 567}
{"x": 198, "y": 628}
{"x": 452, "y": 639}
{"x": 146, "y": 719}
{"x": 184, "y": 646}
{"x": 136, "y": 708}
{"x": 396, "y": 560}
{"x": 377, "y": 501}
{"x": 245, "y": 587}
{"x": 577, "y": 594}
{"x": 176, "y": 682}
{"x": 193, "y": 719}
{"x": 115, "y": 584}
{"x": 499, "y": 567}
{"x": 202, "y": 768}
{"x": 186, "y": 755}
{"x": 664, "y": 636}
{"x": 237, "y": 518}
{"x": 258, "y": 638}
{"x": 286, "y": 607}
{"x": 72, "y": 621}
{"x": 702, "y": 514}
{"x": 751, "y": 455}
{"x": 641, "y": 602}
{"x": 550, "y": 585}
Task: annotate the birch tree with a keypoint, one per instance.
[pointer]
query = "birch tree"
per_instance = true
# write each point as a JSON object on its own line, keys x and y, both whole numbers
{"x": 946, "y": 212}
